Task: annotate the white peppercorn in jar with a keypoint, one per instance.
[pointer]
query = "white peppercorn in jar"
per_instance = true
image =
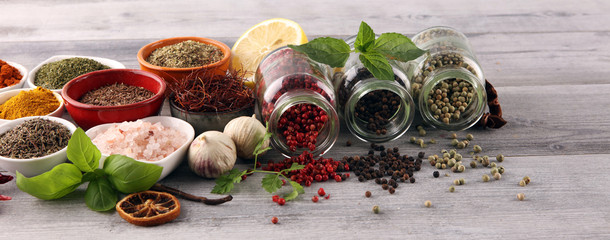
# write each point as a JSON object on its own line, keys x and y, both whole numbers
{"x": 374, "y": 110}
{"x": 447, "y": 83}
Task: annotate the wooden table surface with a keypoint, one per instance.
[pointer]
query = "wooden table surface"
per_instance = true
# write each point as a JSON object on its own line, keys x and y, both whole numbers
{"x": 549, "y": 61}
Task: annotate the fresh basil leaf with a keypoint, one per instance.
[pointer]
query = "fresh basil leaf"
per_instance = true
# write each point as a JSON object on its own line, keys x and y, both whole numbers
{"x": 54, "y": 184}
{"x": 365, "y": 38}
{"x": 90, "y": 176}
{"x": 226, "y": 182}
{"x": 397, "y": 46}
{"x": 100, "y": 196}
{"x": 327, "y": 50}
{"x": 378, "y": 65}
{"x": 296, "y": 190}
{"x": 128, "y": 175}
{"x": 271, "y": 183}
{"x": 82, "y": 152}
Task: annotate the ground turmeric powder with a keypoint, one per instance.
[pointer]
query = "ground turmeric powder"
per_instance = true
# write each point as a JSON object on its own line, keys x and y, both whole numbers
{"x": 35, "y": 102}
{"x": 9, "y": 75}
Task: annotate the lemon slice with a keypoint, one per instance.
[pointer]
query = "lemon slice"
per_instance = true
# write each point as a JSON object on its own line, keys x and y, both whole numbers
{"x": 260, "y": 40}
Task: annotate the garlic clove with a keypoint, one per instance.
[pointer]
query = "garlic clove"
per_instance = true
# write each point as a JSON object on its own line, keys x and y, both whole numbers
{"x": 212, "y": 154}
{"x": 246, "y": 133}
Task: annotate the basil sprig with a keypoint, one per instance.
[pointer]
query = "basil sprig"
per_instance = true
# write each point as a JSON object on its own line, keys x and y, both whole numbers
{"x": 119, "y": 174}
{"x": 374, "y": 53}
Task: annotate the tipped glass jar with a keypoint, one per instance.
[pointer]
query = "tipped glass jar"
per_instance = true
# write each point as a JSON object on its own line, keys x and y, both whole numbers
{"x": 447, "y": 83}
{"x": 374, "y": 110}
{"x": 296, "y": 98}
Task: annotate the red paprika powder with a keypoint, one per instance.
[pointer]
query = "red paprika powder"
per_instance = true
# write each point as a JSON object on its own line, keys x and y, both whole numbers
{"x": 9, "y": 75}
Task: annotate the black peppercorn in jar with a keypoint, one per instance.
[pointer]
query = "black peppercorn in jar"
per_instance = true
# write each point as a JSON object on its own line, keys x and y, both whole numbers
{"x": 296, "y": 98}
{"x": 447, "y": 83}
{"x": 374, "y": 110}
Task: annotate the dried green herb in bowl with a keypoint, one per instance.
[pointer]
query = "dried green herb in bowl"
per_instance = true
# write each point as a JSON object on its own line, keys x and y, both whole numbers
{"x": 34, "y": 138}
{"x": 186, "y": 54}
{"x": 54, "y": 75}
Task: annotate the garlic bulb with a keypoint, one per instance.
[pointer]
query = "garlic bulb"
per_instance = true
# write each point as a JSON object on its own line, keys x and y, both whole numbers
{"x": 212, "y": 154}
{"x": 246, "y": 133}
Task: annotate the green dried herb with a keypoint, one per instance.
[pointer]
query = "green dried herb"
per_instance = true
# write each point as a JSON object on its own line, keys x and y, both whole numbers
{"x": 185, "y": 54}
{"x": 34, "y": 138}
{"x": 55, "y": 75}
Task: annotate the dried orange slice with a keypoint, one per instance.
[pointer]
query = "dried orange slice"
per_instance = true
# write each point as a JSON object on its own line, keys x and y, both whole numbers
{"x": 148, "y": 208}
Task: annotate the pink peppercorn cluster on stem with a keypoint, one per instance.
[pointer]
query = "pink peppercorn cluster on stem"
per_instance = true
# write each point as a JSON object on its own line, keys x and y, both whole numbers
{"x": 319, "y": 170}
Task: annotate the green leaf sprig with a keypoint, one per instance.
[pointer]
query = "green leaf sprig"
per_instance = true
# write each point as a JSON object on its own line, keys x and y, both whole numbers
{"x": 119, "y": 174}
{"x": 374, "y": 53}
{"x": 271, "y": 182}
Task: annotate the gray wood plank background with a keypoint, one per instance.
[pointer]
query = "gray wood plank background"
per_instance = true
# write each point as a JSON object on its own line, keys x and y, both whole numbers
{"x": 548, "y": 59}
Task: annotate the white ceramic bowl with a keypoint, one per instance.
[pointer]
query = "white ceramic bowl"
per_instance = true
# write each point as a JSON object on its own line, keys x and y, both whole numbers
{"x": 168, "y": 163}
{"x": 24, "y": 76}
{"x": 34, "y": 166}
{"x": 108, "y": 62}
{"x": 4, "y": 96}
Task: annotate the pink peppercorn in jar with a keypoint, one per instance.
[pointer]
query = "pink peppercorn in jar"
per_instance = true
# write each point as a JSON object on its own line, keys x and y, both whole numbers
{"x": 296, "y": 98}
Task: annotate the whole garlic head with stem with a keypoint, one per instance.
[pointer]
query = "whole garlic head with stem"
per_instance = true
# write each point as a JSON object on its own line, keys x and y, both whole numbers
{"x": 212, "y": 154}
{"x": 246, "y": 133}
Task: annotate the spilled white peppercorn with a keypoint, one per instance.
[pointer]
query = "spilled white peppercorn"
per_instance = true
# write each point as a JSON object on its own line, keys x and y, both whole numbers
{"x": 477, "y": 149}
{"x": 469, "y": 137}
{"x": 497, "y": 176}
{"x": 485, "y": 178}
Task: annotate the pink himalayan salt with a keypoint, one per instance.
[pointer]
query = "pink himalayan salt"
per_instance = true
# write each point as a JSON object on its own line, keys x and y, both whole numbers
{"x": 139, "y": 140}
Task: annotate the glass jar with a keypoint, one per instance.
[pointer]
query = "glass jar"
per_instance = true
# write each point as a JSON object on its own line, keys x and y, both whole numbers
{"x": 374, "y": 110}
{"x": 296, "y": 98}
{"x": 447, "y": 83}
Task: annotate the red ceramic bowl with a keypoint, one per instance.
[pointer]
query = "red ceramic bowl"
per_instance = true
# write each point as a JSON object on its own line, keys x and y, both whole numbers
{"x": 169, "y": 74}
{"x": 87, "y": 116}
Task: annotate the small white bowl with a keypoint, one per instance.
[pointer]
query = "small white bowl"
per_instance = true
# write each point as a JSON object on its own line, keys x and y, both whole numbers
{"x": 168, "y": 163}
{"x": 24, "y": 76}
{"x": 4, "y": 96}
{"x": 34, "y": 166}
{"x": 108, "y": 62}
